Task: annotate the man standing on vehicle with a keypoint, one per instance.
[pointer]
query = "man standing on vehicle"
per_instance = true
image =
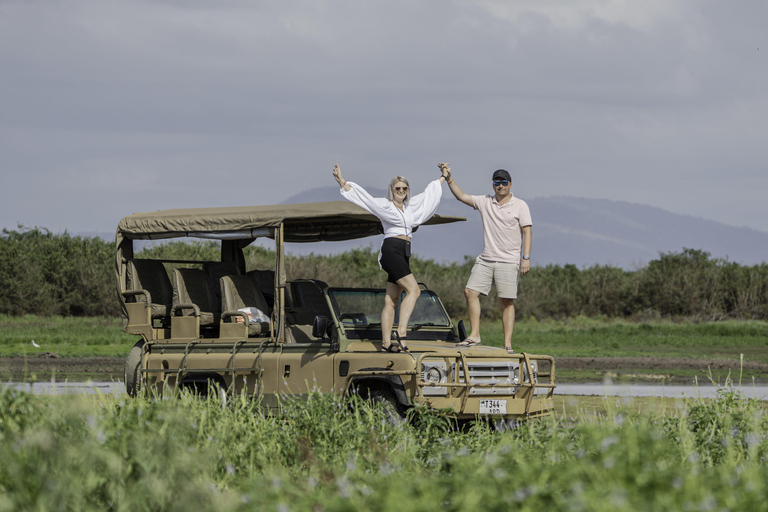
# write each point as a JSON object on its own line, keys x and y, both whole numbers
{"x": 507, "y": 228}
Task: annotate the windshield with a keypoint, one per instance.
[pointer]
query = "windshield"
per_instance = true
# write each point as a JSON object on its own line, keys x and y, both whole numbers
{"x": 362, "y": 307}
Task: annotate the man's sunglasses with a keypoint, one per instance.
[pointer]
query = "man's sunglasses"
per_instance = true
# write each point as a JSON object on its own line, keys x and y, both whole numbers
{"x": 496, "y": 183}
{"x": 401, "y": 189}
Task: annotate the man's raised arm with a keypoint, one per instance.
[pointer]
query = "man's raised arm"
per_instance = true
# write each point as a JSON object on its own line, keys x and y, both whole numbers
{"x": 457, "y": 192}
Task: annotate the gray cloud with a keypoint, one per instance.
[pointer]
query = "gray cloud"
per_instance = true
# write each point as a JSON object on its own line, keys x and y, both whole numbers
{"x": 110, "y": 107}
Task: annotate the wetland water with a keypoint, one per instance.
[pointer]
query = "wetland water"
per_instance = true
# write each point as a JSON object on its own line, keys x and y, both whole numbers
{"x": 656, "y": 390}
{"x": 590, "y": 389}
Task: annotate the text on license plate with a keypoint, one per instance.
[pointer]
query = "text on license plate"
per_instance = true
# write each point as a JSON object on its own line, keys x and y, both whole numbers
{"x": 493, "y": 407}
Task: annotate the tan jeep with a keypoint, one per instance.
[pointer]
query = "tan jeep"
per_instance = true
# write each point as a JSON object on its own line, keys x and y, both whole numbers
{"x": 195, "y": 328}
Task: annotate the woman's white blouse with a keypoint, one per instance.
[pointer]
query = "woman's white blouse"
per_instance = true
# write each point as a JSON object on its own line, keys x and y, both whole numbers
{"x": 420, "y": 208}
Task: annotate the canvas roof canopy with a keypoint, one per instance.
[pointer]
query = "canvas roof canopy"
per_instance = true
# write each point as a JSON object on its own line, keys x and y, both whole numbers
{"x": 302, "y": 222}
{"x": 238, "y": 226}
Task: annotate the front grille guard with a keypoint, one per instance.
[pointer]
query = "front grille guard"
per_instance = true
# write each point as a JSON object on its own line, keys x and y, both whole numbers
{"x": 528, "y": 385}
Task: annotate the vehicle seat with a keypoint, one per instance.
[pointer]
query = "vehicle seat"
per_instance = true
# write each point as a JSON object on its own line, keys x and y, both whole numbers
{"x": 215, "y": 270}
{"x": 308, "y": 293}
{"x": 150, "y": 276}
{"x": 241, "y": 292}
{"x": 308, "y": 301}
{"x": 300, "y": 334}
{"x": 265, "y": 280}
{"x": 191, "y": 286}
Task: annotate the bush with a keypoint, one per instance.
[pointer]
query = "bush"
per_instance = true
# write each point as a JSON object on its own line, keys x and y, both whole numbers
{"x": 48, "y": 274}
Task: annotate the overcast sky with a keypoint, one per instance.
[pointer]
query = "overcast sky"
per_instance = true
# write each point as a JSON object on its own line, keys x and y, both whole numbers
{"x": 111, "y": 107}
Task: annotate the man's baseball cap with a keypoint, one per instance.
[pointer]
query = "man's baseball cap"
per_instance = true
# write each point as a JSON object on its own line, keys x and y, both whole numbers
{"x": 501, "y": 174}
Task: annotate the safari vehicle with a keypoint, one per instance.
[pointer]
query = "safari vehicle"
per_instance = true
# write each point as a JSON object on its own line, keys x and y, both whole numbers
{"x": 195, "y": 330}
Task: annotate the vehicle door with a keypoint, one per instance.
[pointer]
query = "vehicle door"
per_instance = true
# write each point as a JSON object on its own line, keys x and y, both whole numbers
{"x": 306, "y": 367}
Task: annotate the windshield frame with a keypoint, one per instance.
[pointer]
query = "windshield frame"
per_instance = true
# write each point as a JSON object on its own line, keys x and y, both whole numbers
{"x": 427, "y": 320}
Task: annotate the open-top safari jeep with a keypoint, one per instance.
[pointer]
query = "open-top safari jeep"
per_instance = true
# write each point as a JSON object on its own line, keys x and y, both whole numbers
{"x": 195, "y": 330}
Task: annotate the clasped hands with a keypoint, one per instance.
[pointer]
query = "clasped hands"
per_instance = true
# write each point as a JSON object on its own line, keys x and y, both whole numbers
{"x": 445, "y": 169}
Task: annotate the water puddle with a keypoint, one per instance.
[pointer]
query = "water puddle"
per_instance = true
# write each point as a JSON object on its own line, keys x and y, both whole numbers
{"x": 656, "y": 390}
{"x": 68, "y": 388}
{"x": 759, "y": 392}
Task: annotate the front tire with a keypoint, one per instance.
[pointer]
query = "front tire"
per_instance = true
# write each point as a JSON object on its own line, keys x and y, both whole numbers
{"x": 505, "y": 425}
{"x": 209, "y": 389}
{"x": 385, "y": 400}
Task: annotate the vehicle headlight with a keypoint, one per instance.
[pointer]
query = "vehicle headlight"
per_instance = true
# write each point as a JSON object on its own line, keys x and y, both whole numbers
{"x": 434, "y": 375}
{"x": 516, "y": 374}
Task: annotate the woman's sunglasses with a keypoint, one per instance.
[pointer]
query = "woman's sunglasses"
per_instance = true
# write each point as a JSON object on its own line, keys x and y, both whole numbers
{"x": 496, "y": 183}
{"x": 401, "y": 189}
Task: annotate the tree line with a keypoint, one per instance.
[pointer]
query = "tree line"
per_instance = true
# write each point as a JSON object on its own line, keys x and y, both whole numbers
{"x": 57, "y": 274}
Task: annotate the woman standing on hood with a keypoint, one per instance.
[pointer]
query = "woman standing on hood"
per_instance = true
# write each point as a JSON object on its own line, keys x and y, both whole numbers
{"x": 399, "y": 214}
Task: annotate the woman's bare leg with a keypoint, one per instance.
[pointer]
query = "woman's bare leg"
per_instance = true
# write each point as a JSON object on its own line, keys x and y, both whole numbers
{"x": 388, "y": 313}
{"x": 412, "y": 292}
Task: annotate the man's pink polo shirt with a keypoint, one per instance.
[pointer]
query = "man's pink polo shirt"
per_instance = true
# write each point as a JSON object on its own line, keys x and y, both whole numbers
{"x": 502, "y": 227}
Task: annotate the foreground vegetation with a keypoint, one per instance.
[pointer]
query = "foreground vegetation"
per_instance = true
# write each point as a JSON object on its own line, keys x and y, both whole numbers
{"x": 49, "y": 274}
{"x": 102, "y": 452}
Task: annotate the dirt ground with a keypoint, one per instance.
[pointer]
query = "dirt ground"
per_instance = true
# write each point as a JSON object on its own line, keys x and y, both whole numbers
{"x": 44, "y": 367}
{"x": 654, "y": 363}
{"x": 667, "y": 369}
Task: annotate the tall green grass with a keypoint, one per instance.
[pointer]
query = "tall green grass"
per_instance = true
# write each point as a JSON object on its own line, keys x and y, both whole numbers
{"x": 98, "y": 453}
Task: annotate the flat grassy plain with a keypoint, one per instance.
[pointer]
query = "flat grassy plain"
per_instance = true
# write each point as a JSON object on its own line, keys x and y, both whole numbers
{"x": 658, "y": 351}
{"x": 576, "y": 337}
{"x": 589, "y": 349}
{"x": 602, "y": 337}
{"x": 63, "y": 336}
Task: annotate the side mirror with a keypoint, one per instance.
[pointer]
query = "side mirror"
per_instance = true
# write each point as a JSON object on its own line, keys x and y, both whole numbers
{"x": 319, "y": 327}
{"x": 462, "y": 331}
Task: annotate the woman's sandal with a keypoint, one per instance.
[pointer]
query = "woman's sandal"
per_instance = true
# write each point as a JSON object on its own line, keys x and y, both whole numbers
{"x": 400, "y": 340}
{"x": 390, "y": 348}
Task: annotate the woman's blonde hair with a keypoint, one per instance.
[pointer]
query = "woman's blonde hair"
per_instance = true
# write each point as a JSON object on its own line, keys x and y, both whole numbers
{"x": 391, "y": 191}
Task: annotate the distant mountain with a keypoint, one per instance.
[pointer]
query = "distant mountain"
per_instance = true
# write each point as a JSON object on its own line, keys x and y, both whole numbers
{"x": 580, "y": 231}
{"x": 627, "y": 234}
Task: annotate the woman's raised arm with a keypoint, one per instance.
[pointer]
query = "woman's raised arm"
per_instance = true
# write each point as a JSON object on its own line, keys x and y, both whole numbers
{"x": 339, "y": 179}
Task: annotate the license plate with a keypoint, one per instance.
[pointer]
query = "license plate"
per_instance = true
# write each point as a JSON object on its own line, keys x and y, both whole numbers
{"x": 493, "y": 407}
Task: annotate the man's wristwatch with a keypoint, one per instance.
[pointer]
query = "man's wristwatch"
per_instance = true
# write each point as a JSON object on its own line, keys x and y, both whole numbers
{"x": 526, "y": 257}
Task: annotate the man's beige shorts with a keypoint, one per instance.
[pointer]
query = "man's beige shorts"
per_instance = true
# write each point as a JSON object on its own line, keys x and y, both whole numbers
{"x": 484, "y": 273}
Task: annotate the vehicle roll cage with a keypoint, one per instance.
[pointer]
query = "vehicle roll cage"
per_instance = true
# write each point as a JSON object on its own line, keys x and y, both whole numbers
{"x": 238, "y": 227}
